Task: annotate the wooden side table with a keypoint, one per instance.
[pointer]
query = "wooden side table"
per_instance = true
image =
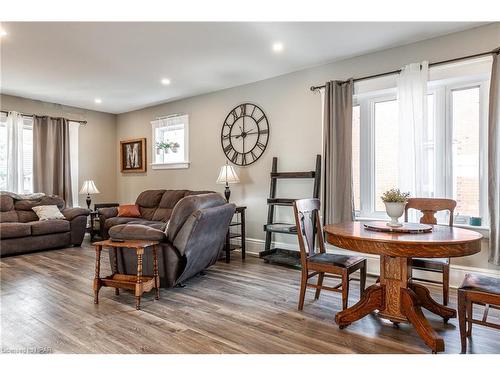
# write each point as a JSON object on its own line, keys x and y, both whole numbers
{"x": 138, "y": 283}
{"x": 240, "y": 222}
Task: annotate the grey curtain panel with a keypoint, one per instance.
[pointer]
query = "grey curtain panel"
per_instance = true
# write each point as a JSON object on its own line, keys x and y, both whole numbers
{"x": 494, "y": 162}
{"x": 338, "y": 203}
{"x": 51, "y": 157}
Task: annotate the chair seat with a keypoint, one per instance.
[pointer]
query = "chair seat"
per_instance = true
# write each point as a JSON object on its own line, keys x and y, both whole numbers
{"x": 434, "y": 263}
{"x": 479, "y": 283}
{"x": 344, "y": 261}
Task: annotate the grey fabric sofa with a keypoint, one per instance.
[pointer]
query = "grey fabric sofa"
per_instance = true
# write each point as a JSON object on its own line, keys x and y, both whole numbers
{"x": 190, "y": 243}
{"x": 22, "y": 232}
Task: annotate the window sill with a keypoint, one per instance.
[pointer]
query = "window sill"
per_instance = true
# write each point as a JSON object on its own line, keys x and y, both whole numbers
{"x": 179, "y": 165}
{"x": 485, "y": 231}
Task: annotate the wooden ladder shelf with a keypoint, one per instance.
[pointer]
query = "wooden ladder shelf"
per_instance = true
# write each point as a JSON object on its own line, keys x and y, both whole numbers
{"x": 276, "y": 255}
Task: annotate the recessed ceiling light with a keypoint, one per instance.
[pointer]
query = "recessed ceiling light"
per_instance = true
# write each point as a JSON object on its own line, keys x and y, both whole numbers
{"x": 3, "y": 33}
{"x": 97, "y": 101}
{"x": 278, "y": 47}
{"x": 165, "y": 81}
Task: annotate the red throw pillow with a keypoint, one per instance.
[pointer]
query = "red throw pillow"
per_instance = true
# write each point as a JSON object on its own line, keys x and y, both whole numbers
{"x": 129, "y": 210}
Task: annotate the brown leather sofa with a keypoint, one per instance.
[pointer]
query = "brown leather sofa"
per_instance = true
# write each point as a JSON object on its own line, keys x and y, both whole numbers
{"x": 191, "y": 242}
{"x": 155, "y": 206}
{"x": 21, "y": 231}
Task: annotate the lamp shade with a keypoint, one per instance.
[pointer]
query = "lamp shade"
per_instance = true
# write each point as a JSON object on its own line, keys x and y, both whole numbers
{"x": 89, "y": 187}
{"x": 227, "y": 175}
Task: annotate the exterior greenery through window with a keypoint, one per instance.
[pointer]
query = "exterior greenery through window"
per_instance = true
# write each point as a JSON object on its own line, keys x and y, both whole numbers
{"x": 453, "y": 143}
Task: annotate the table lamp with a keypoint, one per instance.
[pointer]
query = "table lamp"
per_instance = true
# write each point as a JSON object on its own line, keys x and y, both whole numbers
{"x": 227, "y": 175}
{"x": 88, "y": 188}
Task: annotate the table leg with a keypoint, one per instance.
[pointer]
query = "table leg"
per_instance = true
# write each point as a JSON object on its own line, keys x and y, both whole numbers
{"x": 411, "y": 308}
{"x": 243, "y": 235}
{"x": 155, "y": 272}
{"x": 427, "y": 302}
{"x": 138, "y": 284}
{"x": 373, "y": 299}
{"x": 228, "y": 248}
{"x": 115, "y": 267}
{"x": 97, "y": 281}
{"x": 399, "y": 301}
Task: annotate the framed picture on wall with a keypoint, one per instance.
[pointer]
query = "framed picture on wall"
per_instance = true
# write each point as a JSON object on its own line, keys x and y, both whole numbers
{"x": 133, "y": 155}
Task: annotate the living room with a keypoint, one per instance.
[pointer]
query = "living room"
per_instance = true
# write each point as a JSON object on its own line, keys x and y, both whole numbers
{"x": 194, "y": 161}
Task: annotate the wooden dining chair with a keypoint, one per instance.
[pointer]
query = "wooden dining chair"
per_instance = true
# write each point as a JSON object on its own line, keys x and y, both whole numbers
{"x": 479, "y": 290}
{"x": 429, "y": 207}
{"x": 316, "y": 261}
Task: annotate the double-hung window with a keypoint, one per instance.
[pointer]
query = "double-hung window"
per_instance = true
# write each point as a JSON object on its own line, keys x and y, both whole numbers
{"x": 454, "y": 144}
{"x": 171, "y": 142}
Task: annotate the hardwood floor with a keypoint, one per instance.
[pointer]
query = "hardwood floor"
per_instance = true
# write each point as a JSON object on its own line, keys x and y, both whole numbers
{"x": 241, "y": 307}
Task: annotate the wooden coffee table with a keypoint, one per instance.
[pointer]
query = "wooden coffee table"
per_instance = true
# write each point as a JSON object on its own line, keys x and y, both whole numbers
{"x": 138, "y": 283}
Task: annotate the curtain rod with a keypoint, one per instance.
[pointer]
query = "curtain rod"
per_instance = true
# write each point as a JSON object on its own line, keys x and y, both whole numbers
{"x": 83, "y": 122}
{"x": 495, "y": 51}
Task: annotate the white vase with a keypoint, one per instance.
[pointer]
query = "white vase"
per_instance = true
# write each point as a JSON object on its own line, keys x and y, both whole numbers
{"x": 395, "y": 210}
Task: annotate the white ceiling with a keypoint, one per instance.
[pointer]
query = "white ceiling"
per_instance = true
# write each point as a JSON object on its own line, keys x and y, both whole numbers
{"x": 123, "y": 63}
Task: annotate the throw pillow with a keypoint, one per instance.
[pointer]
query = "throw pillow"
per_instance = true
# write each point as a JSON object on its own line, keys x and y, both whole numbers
{"x": 129, "y": 210}
{"x": 50, "y": 212}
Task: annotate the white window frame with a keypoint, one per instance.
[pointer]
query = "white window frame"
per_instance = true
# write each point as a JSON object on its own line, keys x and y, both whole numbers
{"x": 173, "y": 165}
{"x": 367, "y": 150}
{"x": 443, "y": 181}
{"x": 27, "y": 125}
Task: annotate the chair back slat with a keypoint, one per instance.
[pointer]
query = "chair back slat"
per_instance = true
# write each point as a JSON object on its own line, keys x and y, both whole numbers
{"x": 308, "y": 227}
{"x": 429, "y": 207}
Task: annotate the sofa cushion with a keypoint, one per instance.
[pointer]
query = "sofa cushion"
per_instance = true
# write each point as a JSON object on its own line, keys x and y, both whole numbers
{"x": 26, "y": 216}
{"x": 148, "y": 202}
{"x": 49, "y": 226}
{"x": 14, "y": 230}
{"x": 48, "y": 212}
{"x": 168, "y": 201}
{"x": 112, "y": 221}
{"x": 48, "y": 200}
{"x": 6, "y": 203}
{"x": 128, "y": 210}
{"x": 136, "y": 232}
{"x": 9, "y": 217}
{"x": 160, "y": 225}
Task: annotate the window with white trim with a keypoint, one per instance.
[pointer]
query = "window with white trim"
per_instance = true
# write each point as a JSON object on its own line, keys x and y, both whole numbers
{"x": 455, "y": 146}
{"x": 27, "y": 148}
{"x": 170, "y": 142}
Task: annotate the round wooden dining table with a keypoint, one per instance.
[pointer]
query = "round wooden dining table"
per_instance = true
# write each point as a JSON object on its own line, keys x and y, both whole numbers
{"x": 395, "y": 297}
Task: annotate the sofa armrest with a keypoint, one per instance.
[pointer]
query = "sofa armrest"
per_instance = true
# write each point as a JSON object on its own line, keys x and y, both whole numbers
{"x": 71, "y": 213}
{"x": 136, "y": 232}
{"x": 107, "y": 212}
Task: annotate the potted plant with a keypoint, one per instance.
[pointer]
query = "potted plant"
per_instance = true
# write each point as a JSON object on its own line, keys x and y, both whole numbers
{"x": 167, "y": 146}
{"x": 175, "y": 146}
{"x": 395, "y": 202}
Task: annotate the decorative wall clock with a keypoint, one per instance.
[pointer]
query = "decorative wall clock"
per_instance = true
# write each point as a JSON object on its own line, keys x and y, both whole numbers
{"x": 245, "y": 134}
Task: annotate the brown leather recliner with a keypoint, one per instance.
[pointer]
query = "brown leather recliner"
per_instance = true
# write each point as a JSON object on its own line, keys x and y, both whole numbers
{"x": 191, "y": 242}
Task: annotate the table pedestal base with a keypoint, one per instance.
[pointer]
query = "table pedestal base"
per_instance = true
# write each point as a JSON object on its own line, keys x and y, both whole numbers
{"x": 399, "y": 301}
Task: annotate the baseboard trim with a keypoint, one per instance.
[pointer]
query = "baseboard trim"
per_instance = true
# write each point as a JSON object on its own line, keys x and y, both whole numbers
{"x": 457, "y": 272}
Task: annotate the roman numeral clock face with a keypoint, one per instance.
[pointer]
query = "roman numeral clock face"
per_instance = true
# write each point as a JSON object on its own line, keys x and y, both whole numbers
{"x": 245, "y": 134}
